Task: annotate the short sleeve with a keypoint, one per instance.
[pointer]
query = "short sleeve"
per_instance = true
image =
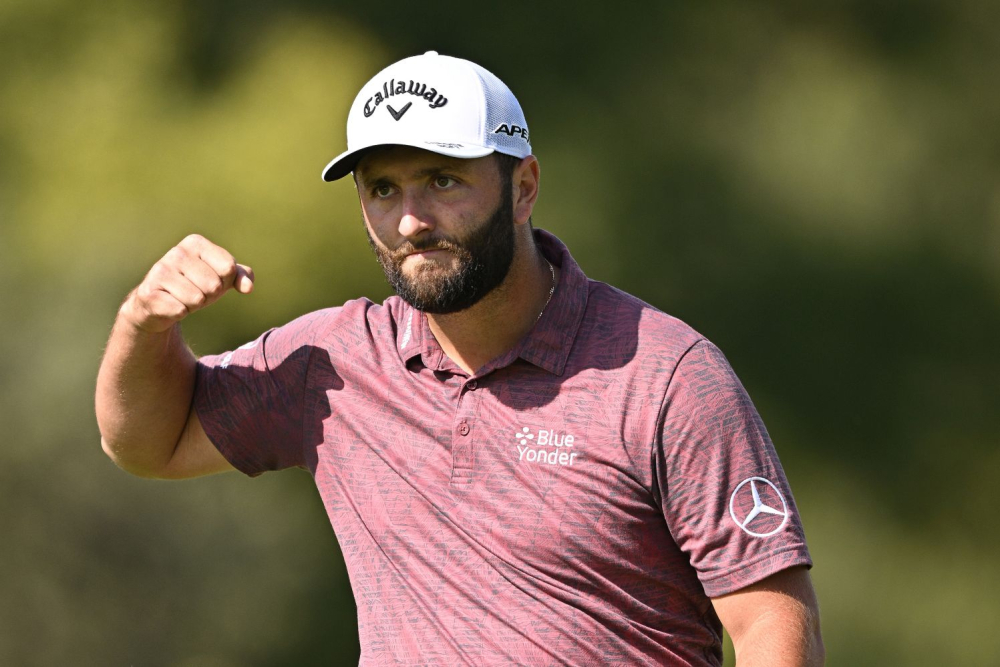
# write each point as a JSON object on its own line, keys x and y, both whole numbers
{"x": 723, "y": 492}
{"x": 251, "y": 401}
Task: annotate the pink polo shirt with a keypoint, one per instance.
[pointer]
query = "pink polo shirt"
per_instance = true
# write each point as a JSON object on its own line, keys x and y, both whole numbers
{"x": 576, "y": 501}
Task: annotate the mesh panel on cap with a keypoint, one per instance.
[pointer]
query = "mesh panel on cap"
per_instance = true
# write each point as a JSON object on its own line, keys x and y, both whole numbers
{"x": 502, "y": 107}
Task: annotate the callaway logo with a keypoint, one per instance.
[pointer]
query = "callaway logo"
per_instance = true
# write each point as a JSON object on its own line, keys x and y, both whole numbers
{"x": 392, "y": 87}
{"x": 511, "y": 130}
{"x": 398, "y": 114}
{"x": 763, "y": 514}
{"x": 562, "y": 444}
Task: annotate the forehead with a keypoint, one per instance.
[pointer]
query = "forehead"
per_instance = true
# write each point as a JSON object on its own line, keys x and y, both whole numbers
{"x": 405, "y": 161}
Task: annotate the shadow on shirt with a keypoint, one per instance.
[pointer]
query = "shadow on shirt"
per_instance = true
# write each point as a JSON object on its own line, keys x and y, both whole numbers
{"x": 605, "y": 343}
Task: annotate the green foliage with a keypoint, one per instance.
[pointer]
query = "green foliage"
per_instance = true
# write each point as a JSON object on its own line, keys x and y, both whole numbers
{"x": 813, "y": 188}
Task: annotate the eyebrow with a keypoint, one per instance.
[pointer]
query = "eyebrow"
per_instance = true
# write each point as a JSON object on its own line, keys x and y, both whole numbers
{"x": 456, "y": 165}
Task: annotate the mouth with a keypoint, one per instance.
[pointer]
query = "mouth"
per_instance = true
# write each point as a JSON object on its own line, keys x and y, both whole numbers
{"x": 429, "y": 253}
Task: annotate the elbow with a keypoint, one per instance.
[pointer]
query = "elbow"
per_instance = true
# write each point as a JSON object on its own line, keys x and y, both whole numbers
{"x": 119, "y": 455}
{"x": 115, "y": 452}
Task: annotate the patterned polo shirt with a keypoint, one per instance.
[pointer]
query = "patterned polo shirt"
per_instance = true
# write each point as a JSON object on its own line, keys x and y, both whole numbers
{"x": 577, "y": 500}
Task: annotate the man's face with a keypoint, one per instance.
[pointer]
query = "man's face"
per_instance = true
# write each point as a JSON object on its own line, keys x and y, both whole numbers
{"x": 442, "y": 228}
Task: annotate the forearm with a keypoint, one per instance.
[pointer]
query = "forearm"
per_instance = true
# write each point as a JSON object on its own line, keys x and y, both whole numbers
{"x": 144, "y": 390}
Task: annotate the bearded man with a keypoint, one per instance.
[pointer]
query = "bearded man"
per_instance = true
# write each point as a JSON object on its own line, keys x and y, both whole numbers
{"x": 522, "y": 465}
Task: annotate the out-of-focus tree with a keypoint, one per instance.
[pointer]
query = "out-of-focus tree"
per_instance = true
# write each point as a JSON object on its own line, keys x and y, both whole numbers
{"x": 813, "y": 187}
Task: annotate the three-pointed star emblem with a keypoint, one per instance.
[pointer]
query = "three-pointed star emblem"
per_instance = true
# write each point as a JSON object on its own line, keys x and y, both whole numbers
{"x": 737, "y": 504}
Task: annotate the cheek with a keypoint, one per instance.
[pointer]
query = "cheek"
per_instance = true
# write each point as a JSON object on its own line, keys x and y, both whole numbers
{"x": 378, "y": 224}
{"x": 379, "y": 243}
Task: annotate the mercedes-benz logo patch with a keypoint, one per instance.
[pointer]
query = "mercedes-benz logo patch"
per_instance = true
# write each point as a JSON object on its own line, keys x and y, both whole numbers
{"x": 754, "y": 507}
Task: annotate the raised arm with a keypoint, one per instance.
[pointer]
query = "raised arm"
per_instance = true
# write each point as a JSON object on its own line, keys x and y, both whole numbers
{"x": 147, "y": 376}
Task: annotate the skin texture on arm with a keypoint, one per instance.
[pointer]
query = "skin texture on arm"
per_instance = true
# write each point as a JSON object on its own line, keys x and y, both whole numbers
{"x": 146, "y": 380}
{"x": 774, "y": 622}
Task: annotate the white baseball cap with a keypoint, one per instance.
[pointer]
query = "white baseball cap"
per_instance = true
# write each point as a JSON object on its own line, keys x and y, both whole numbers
{"x": 439, "y": 103}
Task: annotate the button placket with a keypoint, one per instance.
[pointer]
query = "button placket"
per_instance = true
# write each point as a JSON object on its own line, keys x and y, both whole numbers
{"x": 463, "y": 439}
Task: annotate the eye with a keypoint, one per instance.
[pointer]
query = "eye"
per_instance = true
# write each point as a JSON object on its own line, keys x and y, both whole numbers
{"x": 381, "y": 191}
{"x": 444, "y": 182}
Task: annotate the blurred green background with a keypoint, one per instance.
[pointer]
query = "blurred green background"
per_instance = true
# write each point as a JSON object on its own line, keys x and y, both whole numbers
{"x": 814, "y": 186}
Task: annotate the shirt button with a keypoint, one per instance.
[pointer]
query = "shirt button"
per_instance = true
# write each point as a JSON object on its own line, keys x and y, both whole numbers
{"x": 472, "y": 384}
{"x": 463, "y": 428}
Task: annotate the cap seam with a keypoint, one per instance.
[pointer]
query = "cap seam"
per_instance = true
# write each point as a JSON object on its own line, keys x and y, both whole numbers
{"x": 482, "y": 108}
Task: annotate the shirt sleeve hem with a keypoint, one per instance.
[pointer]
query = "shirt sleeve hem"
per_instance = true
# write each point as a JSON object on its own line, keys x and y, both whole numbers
{"x": 746, "y": 574}
{"x": 225, "y": 447}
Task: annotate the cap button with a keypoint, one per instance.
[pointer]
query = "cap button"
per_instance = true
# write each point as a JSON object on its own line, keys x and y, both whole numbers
{"x": 431, "y": 53}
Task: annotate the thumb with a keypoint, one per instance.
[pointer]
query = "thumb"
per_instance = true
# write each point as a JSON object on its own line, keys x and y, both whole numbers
{"x": 243, "y": 283}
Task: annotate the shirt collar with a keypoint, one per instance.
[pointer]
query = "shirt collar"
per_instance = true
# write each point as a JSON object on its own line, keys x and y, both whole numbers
{"x": 550, "y": 341}
{"x": 414, "y": 339}
{"x": 547, "y": 345}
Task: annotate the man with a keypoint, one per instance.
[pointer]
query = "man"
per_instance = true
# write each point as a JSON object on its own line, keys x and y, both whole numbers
{"x": 522, "y": 466}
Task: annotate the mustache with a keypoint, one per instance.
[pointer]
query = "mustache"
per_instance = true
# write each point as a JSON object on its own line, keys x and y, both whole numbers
{"x": 424, "y": 245}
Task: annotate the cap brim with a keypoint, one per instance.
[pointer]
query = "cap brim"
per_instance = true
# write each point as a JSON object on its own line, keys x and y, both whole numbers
{"x": 346, "y": 162}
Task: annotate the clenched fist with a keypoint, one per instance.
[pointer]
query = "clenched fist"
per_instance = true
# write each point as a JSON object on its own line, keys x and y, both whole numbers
{"x": 193, "y": 274}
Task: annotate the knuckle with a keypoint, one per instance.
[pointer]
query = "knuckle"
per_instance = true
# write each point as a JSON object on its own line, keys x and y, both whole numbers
{"x": 216, "y": 286}
{"x": 158, "y": 271}
{"x": 143, "y": 293}
{"x": 228, "y": 269}
{"x": 192, "y": 240}
{"x": 175, "y": 255}
{"x": 176, "y": 310}
{"x": 164, "y": 304}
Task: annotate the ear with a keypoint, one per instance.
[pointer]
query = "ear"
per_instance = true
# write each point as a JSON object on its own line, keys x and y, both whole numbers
{"x": 525, "y": 183}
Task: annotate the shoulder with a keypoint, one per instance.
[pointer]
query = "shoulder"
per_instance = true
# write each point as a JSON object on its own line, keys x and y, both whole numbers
{"x": 357, "y": 316}
{"x": 350, "y": 328}
{"x": 358, "y": 333}
{"x": 645, "y": 329}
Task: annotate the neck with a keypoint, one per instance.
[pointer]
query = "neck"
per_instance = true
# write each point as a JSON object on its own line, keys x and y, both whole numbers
{"x": 503, "y": 317}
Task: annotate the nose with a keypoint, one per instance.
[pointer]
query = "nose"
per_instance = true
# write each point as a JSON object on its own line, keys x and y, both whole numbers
{"x": 417, "y": 217}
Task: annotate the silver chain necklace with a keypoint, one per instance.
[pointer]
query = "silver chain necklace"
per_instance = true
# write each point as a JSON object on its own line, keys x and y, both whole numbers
{"x": 552, "y": 289}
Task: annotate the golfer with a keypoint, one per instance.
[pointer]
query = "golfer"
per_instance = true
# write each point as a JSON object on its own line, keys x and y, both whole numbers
{"x": 522, "y": 466}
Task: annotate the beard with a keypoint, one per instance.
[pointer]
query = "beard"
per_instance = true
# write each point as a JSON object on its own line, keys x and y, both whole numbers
{"x": 484, "y": 257}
